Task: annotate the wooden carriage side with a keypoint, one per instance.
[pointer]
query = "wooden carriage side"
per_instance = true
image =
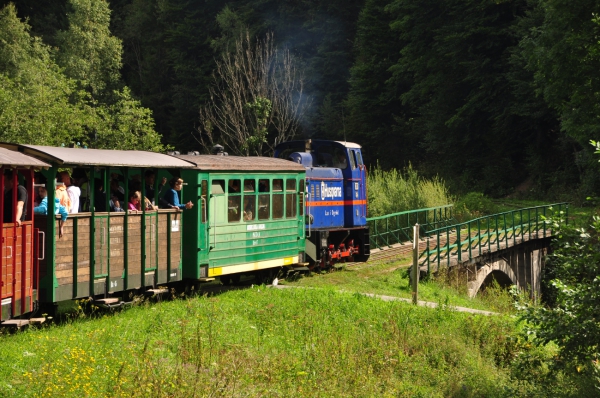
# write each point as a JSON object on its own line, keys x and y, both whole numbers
{"x": 102, "y": 254}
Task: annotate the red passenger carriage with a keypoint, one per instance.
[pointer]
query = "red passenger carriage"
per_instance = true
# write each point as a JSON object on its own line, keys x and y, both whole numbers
{"x": 19, "y": 273}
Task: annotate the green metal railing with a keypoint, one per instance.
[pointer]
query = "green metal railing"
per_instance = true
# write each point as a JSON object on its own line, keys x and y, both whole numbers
{"x": 391, "y": 229}
{"x": 486, "y": 234}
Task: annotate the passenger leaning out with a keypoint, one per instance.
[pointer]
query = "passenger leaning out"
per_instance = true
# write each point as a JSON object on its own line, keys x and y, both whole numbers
{"x": 72, "y": 190}
{"x": 62, "y": 194}
{"x": 171, "y": 198}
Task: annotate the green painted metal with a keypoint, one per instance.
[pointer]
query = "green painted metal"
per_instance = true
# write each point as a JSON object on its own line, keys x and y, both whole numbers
{"x": 395, "y": 228}
{"x": 48, "y": 281}
{"x": 211, "y": 240}
{"x": 490, "y": 231}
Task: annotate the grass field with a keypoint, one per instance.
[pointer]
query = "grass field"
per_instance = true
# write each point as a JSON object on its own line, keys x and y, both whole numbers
{"x": 325, "y": 341}
{"x": 321, "y": 338}
{"x": 265, "y": 342}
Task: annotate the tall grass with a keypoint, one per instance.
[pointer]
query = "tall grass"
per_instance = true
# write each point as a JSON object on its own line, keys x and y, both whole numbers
{"x": 393, "y": 191}
{"x": 269, "y": 342}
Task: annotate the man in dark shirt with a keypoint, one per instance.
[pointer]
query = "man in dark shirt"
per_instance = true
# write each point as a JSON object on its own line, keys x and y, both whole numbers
{"x": 9, "y": 209}
{"x": 149, "y": 177}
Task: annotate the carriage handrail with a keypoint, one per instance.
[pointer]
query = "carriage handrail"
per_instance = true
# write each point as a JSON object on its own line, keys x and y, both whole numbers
{"x": 396, "y": 228}
{"x": 465, "y": 240}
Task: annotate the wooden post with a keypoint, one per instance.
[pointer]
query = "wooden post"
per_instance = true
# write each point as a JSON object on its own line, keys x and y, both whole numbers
{"x": 415, "y": 266}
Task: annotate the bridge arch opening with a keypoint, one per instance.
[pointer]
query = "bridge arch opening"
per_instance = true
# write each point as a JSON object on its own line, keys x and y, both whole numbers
{"x": 497, "y": 276}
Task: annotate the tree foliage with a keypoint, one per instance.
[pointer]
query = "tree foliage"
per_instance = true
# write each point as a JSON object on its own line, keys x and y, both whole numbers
{"x": 563, "y": 52}
{"x": 573, "y": 321}
{"x": 40, "y": 104}
{"x": 88, "y": 52}
{"x": 492, "y": 95}
{"x": 35, "y": 98}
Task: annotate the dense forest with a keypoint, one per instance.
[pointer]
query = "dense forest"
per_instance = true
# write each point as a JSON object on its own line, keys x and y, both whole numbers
{"x": 492, "y": 95}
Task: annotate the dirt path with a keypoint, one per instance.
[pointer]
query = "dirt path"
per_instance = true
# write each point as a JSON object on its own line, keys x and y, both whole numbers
{"x": 393, "y": 298}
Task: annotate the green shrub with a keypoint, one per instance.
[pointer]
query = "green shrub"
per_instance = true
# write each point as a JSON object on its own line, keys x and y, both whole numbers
{"x": 473, "y": 205}
{"x": 394, "y": 191}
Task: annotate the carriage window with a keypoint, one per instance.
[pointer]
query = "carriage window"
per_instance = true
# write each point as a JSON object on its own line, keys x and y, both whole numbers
{"x": 290, "y": 198}
{"x": 277, "y": 198}
{"x": 301, "y": 190}
{"x": 233, "y": 186}
{"x": 217, "y": 187}
{"x": 249, "y": 205}
{"x": 249, "y": 186}
{"x": 234, "y": 201}
{"x": 264, "y": 199}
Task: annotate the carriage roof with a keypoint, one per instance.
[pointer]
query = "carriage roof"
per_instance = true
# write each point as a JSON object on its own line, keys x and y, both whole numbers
{"x": 241, "y": 163}
{"x": 98, "y": 157}
{"x": 17, "y": 159}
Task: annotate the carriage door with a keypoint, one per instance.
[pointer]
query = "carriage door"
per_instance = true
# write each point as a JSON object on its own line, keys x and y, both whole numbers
{"x": 100, "y": 253}
{"x": 203, "y": 217}
{"x": 6, "y": 278}
{"x": 359, "y": 190}
{"x": 216, "y": 213}
{"x": 151, "y": 250}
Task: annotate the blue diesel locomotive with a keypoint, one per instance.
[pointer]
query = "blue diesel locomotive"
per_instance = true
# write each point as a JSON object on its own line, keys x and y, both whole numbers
{"x": 336, "y": 200}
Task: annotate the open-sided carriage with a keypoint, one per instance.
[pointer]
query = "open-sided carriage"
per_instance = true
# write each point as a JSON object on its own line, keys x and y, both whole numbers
{"x": 101, "y": 253}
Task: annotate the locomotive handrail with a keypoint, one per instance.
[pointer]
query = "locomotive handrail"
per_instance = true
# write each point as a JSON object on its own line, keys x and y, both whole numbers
{"x": 463, "y": 241}
{"x": 396, "y": 228}
{"x": 308, "y": 213}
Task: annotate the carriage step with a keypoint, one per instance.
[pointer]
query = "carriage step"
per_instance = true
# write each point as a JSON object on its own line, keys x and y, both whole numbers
{"x": 206, "y": 279}
{"x": 155, "y": 292}
{"x": 110, "y": 302}
{"x": 15, "y": 323}
{"x": 300, "y": 269}
{"x": 37, "y": 321}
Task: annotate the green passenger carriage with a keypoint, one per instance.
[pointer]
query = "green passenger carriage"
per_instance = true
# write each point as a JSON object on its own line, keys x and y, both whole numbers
{"x": 248, "y": 217}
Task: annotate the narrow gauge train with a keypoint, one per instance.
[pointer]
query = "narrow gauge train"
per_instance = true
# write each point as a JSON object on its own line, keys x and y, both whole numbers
{"x": 248, "y": 217}
{"x": 336, "y": 204}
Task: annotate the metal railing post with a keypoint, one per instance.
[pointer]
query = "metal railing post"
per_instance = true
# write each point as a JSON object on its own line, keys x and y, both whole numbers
{"x": 469, "y": 239}
{"x": 415, "y": 270}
